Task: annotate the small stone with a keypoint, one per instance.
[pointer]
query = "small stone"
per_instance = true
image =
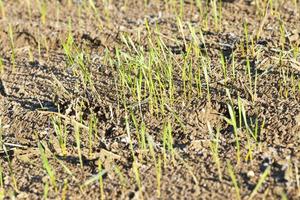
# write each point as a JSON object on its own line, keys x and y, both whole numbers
{"x": 278, "y": 190}
{"x": 250, "y": 173}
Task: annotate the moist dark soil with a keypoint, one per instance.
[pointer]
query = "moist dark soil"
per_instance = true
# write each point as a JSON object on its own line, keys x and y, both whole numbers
{"x": 39, "y": 85}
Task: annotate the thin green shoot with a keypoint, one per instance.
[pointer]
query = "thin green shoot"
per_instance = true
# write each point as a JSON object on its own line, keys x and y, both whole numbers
{"x": 46, "y": 190}
{"x": 47, "y": 166}
{"x": 1, "y": 66}
{"x": 215, "y": 14}
{"x": 2, "y": 189}
{"x": 78, "y": 143}
{"x": 95, "y": 178}
{"x": 246, "y": 36}
{"x": 234, "y": 180}
{"x": 168, "y": 142}
{"x": 232, "y": 121}
{"x": 250, "y": 147}
{"x": 61, "y": 132}
{"x": 122, "y": 179}
{"x": 43, "y": 11}
{"x": 206, "y": 76}
{"x": 102, "y": 196}
{"x": 248, "y": 70}
{"x": 157, "y": 163}
{"x": 2, "y": 9}
{"x": 64, "y": 190}
{"x": 181, "y": 9}
{"x": 261, "y": 180}
{"x": 137, "y": 178}
{"x": 11, "y": 172}
{"x": 1, "y": 132}
{"x": 224, "y": 66}
{"x": 214, "y": 147}
{"x": 158, "y": 176}
{"x": 143, "y": 136}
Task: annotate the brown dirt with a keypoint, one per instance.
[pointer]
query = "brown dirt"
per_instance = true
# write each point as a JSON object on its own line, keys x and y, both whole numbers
{"x": 34, "y": 90}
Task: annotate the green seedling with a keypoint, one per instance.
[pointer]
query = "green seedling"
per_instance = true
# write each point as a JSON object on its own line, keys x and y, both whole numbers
{"x": 47, "y": 166}
{"x": 2, "y": 9}
{"x": 189, "y": 69}
{"x": 2, "y": 189}
{"x": 215, "y": 14}
{"x": 234, "y": 180}
{"x": 100, "y": 171}
{"x": 250, "y": 147}
{"x": 135, "y": 163}
{"x": 66, "y": 169}
{"x": 248, "y": 72}
{"x": 232, "y": 121}
{"x": 92, "y": 132}
{"x": 180, "y": 27}
{"x": 220, "y": 14}
{"x": 139, "y": 92}
{"x": 68, "y": 46}
{"x": 233, "y": 65}
{"x": 64, "y": 190}
{"x": 77, "y": 60}
{"x": 129, "y": 136}
{"x": 143, "y": 136}
{"x": 181, "y": 10}
{"x": 61, "y": 133}
{"x": 39, "y": 48}
{"x": 1, "y": 66}
{"x": 214, "y": 147}
{"x": 1, "y": 132}
{"x": 216, "y": 7}
{"x": 158, "y": 176}
{"x": 284, "y": 196}
{"x": 246, "y": 37}
{"x": 121, "y": 176}
{"x": 28, "y": 3}
{"x": 43, "y": 11}
{"x": 168, "y": 142}
{"x": 199, "y": 6}
{"x": 46, "y": 46}
{"x": 197, "y": 52}
{"x": 30, "y": 55}
{"x": 94, "y": 9}
{"x": 157, "y": 163}
{"x": 261, "y": 180}
{"x": 250, "y": 47}
{"x": 11, "y": 172}
{"x": 137, "y": 178}
{"x": 78, "y": 143}
{"x": 46, "y": 190}
{"x": 206, "y": 76}
{"x": 271, "y": 6}
{"x": 224, "y": 66}
{"x": 57, "y": 13}
{"x": 94, "y": 178}
{"x": 77, "y": 130}
{"x": 135, "y": 123}
{"x": 106, "y": 4}
{"x": 69, "y": 3}
{"x": 282, "y": 34}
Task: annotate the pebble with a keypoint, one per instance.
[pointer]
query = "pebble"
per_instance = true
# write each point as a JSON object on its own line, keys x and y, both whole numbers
{"x": 250, "y": 173}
